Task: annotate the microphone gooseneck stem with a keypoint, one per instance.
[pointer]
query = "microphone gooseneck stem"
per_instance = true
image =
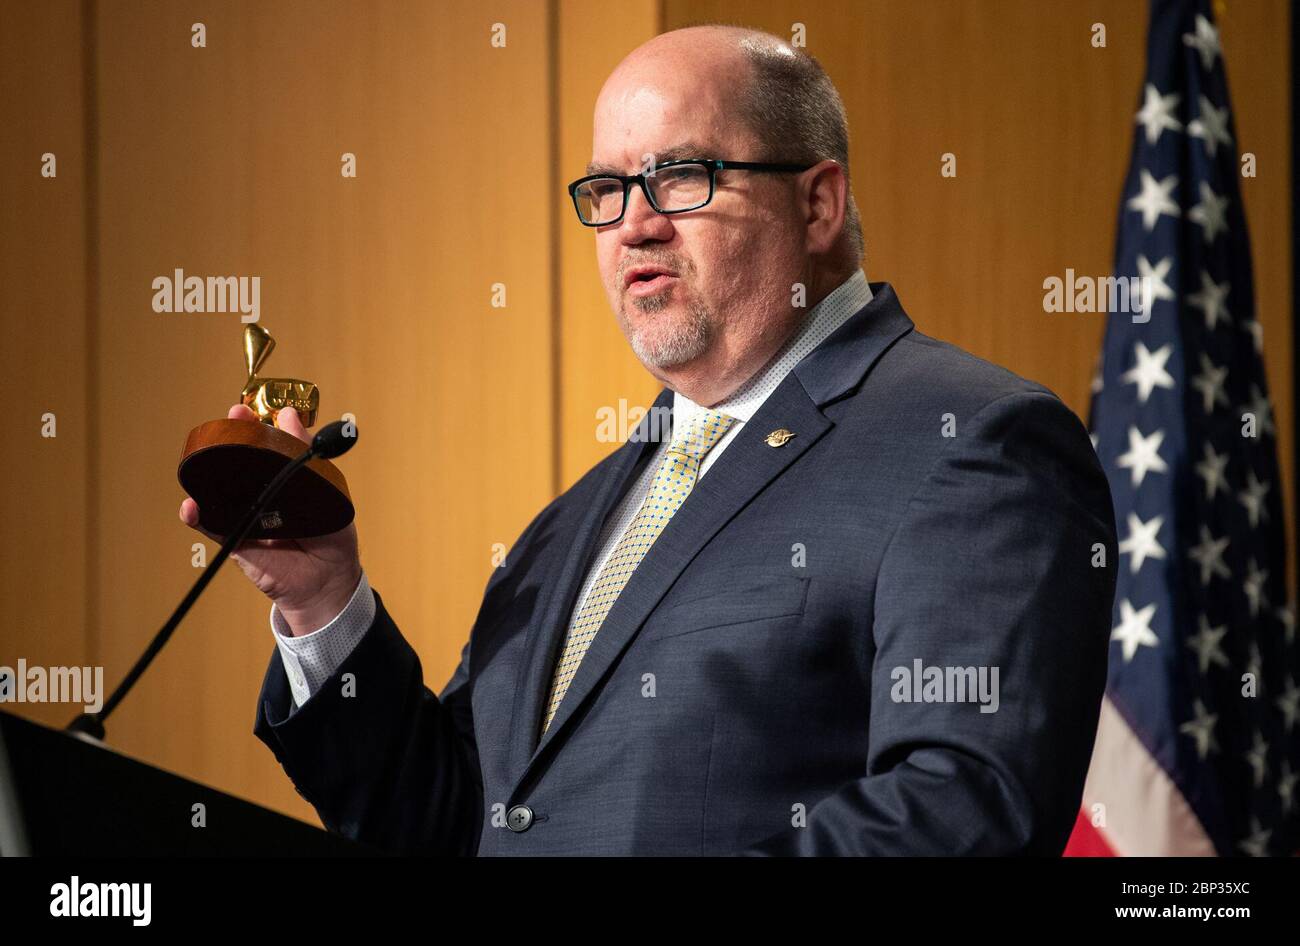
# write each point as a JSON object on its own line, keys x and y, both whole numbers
{"x": 92, "y": 724}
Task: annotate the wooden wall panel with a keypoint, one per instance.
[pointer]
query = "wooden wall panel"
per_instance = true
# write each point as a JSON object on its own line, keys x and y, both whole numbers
{"x": 597, "y": 367}
{"x": 44, "y": 503}
{"x": 226, "y": 160}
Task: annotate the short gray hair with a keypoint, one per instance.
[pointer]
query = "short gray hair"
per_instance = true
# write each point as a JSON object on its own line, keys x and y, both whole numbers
{"x": 796, "y": 112}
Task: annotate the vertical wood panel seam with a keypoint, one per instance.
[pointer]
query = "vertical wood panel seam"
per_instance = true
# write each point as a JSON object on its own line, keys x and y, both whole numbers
{"x": 91, "y": 439}
{"x": 557, "y": 297}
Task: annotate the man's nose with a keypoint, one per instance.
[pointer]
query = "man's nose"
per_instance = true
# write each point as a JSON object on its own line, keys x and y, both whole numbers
{"x": 641, "y": 221}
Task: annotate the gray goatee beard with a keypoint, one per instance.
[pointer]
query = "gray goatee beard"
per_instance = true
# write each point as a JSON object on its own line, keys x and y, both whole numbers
{"x": 685, "y": 342}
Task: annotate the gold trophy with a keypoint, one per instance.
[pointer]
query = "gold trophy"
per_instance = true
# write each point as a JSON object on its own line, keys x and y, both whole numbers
{"x": 226, "y": 463}
{"x": 265, "y": 396}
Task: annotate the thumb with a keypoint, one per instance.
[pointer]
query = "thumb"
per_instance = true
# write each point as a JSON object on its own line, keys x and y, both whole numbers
{"x": 287, "y": 419}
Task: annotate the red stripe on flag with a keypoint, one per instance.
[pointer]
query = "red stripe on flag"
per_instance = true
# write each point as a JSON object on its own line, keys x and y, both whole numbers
{"x": 1086, "y": 841}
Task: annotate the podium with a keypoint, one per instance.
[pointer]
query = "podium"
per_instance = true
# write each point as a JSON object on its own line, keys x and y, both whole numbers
{"x": 63, "y": 795}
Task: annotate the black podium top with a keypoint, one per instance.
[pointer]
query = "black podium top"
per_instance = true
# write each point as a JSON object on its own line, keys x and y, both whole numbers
{"x": 78, "y": 798}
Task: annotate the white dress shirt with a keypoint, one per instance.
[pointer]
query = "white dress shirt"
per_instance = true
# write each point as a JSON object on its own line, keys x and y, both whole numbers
{"x": 310, "y": 660}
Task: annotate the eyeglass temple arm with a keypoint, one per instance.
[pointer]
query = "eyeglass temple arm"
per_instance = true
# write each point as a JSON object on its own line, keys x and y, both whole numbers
{"x": 758, "y": 166}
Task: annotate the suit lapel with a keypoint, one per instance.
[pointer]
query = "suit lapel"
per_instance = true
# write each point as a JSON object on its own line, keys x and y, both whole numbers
{"x": 547, "y": 634}
{"x": 746, "y": 466}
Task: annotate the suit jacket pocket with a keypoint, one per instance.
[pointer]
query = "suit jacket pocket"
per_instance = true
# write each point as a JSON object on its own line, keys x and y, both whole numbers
{"x": 755, "y": 599}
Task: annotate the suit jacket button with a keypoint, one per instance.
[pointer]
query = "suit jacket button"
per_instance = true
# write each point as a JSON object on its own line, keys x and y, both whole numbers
{"x": 519, "y": 818}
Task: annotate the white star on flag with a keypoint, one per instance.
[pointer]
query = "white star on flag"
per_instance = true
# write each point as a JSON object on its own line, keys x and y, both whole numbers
{"x": 1286, "y": 786}
{"x": 1211, "y": 127}
{"x": 1157, "y": 113}
{"x": 1253, "y": 498}
{"x": 1262, "y": 409}
{"x": 1211, "y": 213}
{"x": 1149, "y": 373}
{"x": 1210, "y": 300}
{"x": 1154, "y": 199}
{"x": 1142, "y": 543}
{"x": 1257, "y": 844}
{"x": 1287, "y": 616}
{"x": 1253, "y": 586}
{"x": 1152, "y": 281}
{"x": 1143, "y": 455}
{"x": 1289, "y": 704}
{"x": 1209, "y": 555}
{"x": 1257, "y": 757}
{"x": 1210, "y": 383}
{"x": 1213, "y": 469}
{"x": 1206, "y": 644}
{"x": 1134, "y": 629}
{"x": 1201, "y": 729}
{"x": 1256, "y": 330}
{"x": 1205, "y": 41}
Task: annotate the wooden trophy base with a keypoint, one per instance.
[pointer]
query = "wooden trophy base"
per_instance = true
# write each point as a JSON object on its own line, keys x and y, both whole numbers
{"x": 227, "y": 463}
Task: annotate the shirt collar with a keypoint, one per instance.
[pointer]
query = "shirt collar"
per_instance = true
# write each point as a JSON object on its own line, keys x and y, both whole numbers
{"x": 823, "y": 319}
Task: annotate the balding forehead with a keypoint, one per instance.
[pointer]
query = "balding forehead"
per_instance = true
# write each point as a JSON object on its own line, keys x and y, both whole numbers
{"x": 662, "y": 103}
{"x": 690, "y": 40}
{"x": 692, "y": 57}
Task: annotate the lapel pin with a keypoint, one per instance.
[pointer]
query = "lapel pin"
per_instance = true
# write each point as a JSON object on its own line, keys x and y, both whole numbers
{"x": 778, "y": 437}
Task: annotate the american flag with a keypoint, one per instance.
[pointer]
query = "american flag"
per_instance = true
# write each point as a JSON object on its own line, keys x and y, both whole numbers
{"x": 1198, "y": 750}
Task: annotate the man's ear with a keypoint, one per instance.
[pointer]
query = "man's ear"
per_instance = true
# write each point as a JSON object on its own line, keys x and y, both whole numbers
{"x": 825, "y": 203}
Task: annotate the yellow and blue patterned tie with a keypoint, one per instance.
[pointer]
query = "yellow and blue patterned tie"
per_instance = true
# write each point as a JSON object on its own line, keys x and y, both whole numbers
{"x": 669, "y": 489}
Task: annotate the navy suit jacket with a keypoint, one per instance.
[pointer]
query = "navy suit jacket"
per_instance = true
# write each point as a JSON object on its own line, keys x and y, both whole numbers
{"x": 932, "y": 510}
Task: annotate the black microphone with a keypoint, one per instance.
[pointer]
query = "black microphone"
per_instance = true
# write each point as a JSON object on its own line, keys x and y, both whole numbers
{"x": 330, "y": 441}
{"x": 334, "y": 440}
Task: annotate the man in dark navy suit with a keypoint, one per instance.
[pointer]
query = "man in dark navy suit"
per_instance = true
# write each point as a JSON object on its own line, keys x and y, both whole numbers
{"x": 853, "y": 598}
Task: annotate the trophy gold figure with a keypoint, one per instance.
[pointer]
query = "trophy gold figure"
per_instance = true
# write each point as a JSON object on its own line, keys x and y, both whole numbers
{"x": 265, "y": 396}
{"x": 226, "y": 463}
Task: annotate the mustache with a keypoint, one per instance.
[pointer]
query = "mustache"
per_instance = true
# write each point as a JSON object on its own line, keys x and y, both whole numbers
{"x": 681, "y": 267}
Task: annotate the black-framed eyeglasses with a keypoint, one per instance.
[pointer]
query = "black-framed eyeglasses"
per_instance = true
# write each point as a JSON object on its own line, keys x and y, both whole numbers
{"x": 673, "y": 187}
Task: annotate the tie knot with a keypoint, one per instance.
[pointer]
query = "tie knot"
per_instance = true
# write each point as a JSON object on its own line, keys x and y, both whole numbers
{"x": 700, "y": 434}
